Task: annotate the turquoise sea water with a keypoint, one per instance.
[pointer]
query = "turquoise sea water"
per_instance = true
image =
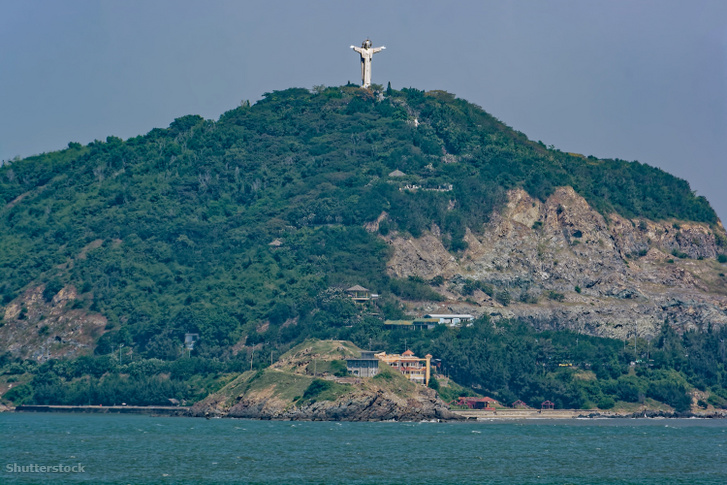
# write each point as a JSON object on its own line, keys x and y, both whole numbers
{"x": 149, "y": 450}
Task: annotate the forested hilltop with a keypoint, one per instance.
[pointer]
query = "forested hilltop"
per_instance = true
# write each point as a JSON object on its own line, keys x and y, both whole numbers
{"x": 247, "y": 230}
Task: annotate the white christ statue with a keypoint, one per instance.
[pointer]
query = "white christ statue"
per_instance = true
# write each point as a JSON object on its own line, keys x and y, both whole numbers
{"x": 367, "y": 53}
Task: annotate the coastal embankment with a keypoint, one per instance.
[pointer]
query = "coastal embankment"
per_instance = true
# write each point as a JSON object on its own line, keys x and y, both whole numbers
{"x": 453, "y": 415}
{"x": 504, "y": 413}
{"x": 148, "y": 410}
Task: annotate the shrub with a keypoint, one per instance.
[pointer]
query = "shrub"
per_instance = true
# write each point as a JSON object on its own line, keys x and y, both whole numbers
{"x": 606, "y": 403}
{"x": 503, "y": 297}
{"x": 18, "y": 394}
{"x": 77, "y": 304}
{"x": 717, "y": 401}
{"x": 384, "y": 228}
{"x": 556, "y": 296}
{"x": 671, "y": 393}
{"x": 51, "y": 289}
{"x": 679, "y": 254}
{"x": 339, "y": 369}
{"x": 722, "y": 258}
{"x": 437, "y": 280}
{"x": 413, "y": 289}
{"x": 316, "y": 388}
{"x": 385, "y": 374}
{"x": 280, "y": 312}
{"x": 486, "y": 289}
{"x": 627, "y": 391}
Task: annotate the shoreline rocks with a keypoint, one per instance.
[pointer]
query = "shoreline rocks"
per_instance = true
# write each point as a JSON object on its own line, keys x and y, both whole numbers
{"x": 380, "y": 405}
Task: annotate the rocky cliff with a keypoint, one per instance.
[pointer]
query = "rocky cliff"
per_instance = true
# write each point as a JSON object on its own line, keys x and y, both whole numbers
{"x": 282, "y": 392}
{"x": 561, "y": 264}
{"x": 368, "y": 403}
{"x": 36, "y": 327}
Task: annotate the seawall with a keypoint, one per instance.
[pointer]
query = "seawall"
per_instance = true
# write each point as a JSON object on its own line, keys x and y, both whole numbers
{"x": 149, "y": 410}
{"x": 503, "y": 413}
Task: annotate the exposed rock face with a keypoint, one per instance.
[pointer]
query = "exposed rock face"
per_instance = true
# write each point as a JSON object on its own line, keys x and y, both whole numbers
{"x": 601, "y": 276}
{"x": 34, "y": 328}
{"x": 361, "y": 405}
{"x": 269, "y": 394}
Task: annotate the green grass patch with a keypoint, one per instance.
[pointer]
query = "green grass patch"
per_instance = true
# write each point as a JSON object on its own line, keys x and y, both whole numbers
{"x": 449, "y": 390}
{"x": 287, "y": 386}
{"x": 323, "y": 390}
{"x": 333, "y": 367}
{"x": 393, "y": 380}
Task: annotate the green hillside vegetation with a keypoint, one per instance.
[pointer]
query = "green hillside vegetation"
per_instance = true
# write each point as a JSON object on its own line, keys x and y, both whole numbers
{"x": 171, "y": 232}
{"x": 509, "y": 361}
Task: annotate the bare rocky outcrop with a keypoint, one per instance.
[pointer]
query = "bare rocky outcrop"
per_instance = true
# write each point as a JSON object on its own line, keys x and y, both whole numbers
{"x": 269, "y": 394}
{"x": 601, "y": 276}
{"x": 34, "y": 328}
{"x": 362, "y": 405}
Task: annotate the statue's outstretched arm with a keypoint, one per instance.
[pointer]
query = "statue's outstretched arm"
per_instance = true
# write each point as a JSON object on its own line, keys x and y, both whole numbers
{"x": 357, "y": 49}
{"x": 379, "y": 49}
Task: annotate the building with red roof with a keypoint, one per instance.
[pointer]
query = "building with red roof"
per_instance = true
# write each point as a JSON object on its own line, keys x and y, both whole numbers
{"x": 477, "y": 402}
{"x": 414, "y": 368}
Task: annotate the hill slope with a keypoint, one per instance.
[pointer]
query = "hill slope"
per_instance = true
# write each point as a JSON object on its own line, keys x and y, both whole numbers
{"x": 301, "y": 386}
{"x": 170, "y": 232}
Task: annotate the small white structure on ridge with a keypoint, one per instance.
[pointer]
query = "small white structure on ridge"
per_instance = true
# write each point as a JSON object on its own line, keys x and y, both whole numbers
{"x": 367, "y": 54}
{"x": 451, "y": 319}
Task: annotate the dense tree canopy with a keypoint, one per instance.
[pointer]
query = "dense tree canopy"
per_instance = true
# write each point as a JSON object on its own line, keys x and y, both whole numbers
{"x": 248, "y": 227}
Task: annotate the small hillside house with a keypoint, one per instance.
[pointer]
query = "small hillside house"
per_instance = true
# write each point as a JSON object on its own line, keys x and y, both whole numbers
{"x": 365, "y": 366}
{"x": 451, "y": 319}
{"x": 360, "y": 294}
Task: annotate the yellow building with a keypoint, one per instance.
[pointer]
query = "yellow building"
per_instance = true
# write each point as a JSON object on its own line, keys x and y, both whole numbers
{"x": 415, "y": 369}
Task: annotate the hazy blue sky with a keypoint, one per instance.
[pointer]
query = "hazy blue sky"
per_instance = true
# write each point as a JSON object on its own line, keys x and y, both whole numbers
{"x": 637, "y": 80}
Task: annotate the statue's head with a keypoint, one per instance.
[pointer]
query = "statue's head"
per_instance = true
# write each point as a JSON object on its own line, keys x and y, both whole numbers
{"x": 366, "y": 44}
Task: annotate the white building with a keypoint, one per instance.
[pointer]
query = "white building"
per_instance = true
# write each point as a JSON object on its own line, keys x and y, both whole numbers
{"x": 451, "y": 319}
